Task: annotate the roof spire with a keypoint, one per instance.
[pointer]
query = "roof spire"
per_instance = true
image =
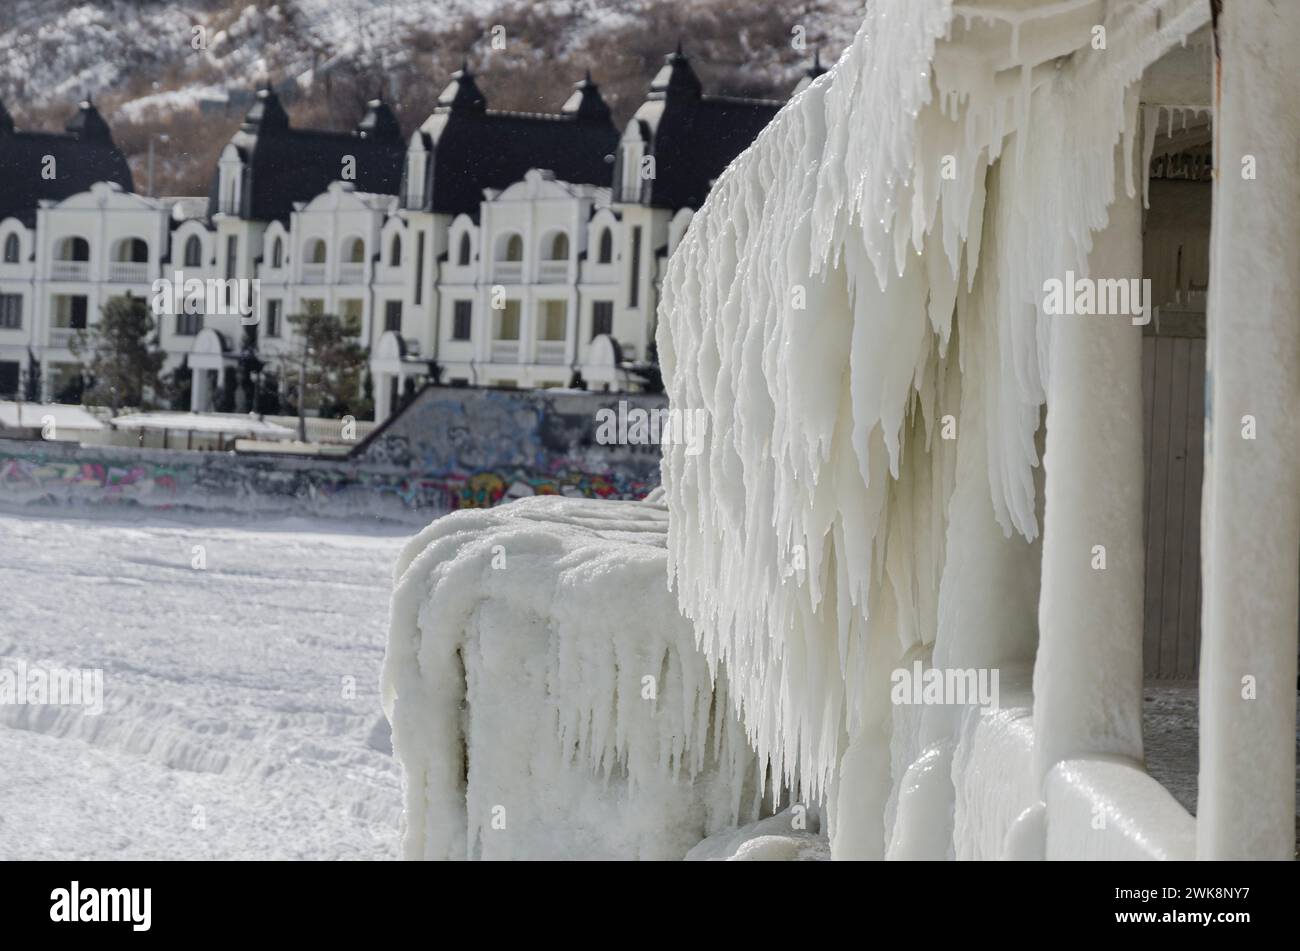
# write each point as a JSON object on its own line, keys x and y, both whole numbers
{"x": 379, "y": 123}
{"x": 266, "y": 114}
{"x": 87, "y": 124}
{"x": 462, "y": 92}
{"x": 675, "y": 78}
{"x": 586, "y": 103}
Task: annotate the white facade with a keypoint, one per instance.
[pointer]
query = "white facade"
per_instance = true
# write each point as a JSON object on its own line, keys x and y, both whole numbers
{"x": 56, "y": 277}
{"x": 551, "y": 279}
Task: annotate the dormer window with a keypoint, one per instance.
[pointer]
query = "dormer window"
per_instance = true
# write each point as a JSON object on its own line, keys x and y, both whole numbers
{"x": 11, "y": 249}
{"x": 463, "y": 257}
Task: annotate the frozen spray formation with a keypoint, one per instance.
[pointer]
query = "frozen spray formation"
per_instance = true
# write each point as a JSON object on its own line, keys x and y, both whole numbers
{"x": 547, "y": 699}
{"x": 869, "y": 273}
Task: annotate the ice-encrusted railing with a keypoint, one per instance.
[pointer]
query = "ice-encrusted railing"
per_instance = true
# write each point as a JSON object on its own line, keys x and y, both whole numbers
{"x": 867, "y": 274}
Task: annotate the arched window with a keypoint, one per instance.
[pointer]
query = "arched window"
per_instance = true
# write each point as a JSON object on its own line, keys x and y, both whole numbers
{"x": 133, "y": 251}
{"x": 395, "y": 251}
{"x": 606, "y": 246}
{"x": 316, "y": 252}
{"x": 514, "y": 248}
{"x": 277, "y": 254}
{"x": 463, "y": 257}
{"x": 354, "y": 252}
{"x": 193, "y": 251}
{"x": 73, "y": 249}
{"x": 559, "y": 249}
{"x": 11, "y": 249}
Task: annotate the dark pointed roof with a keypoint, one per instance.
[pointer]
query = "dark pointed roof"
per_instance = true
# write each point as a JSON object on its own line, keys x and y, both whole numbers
{"x": 693, "y": 137}
{"x": 462, "y": 93}
{"x": 87, "y": 124}
{"x": 675, "y": 78}
{"x": 84, "y": 153}
{"x": 379, "y": 124}
{"x": 285, "y": 165}
{"x": 586, "y": 102}
{"x": 266, "y": 114}
{"x": 475, "y": 148}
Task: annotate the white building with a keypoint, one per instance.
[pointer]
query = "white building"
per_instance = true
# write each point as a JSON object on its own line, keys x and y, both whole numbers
{"x": 490, "y": 249}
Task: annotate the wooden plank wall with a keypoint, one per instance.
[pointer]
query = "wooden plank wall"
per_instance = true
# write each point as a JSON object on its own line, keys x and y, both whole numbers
{"x": 1173, "y": 389}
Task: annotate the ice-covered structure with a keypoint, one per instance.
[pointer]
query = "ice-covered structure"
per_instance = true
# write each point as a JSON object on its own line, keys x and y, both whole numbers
{"x": 874, "y": 267}
{"x": 547, "y": 699}
{"x": 910, "y": 459}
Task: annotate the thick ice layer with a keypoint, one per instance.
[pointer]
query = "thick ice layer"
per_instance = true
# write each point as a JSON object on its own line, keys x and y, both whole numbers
{"x": 547, "y": 698}
{"x": 942, "y": 167}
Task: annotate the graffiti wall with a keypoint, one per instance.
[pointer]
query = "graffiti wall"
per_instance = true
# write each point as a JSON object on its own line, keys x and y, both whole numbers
{"x": 451, "y": 448}
{"x": 486, "y": 445}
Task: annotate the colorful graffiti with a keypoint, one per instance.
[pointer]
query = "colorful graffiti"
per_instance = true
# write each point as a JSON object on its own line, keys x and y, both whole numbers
{"x": 537, "y": 437}
{"x": 451, "y": 448}
{"x": 111, "y": 479}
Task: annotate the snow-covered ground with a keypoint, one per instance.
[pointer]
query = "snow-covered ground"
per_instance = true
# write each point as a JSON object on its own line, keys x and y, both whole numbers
{"x": 241, "y": 706}
{"x": 228, "y": 730}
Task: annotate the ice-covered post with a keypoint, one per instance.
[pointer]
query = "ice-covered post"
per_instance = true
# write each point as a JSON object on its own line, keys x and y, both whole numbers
{"x": 1088, "y": 673}
{"x": 1251, "y": 510}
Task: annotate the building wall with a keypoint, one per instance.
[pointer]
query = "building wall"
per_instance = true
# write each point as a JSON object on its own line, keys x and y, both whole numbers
{"x": 421, "y": 290}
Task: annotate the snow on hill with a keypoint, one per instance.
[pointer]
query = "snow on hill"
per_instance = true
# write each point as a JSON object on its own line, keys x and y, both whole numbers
{"x": 180, "y": 72}
{"x": 53, "y": 50}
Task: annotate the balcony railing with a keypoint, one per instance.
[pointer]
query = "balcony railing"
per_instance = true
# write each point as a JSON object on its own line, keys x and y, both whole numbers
{"x": 70, "y": 270}
{"x": 553, "y": 272}
{"x": 505, "y": 351}
{"x": 550, "y": 351}
{"x": 508, "y": 272}
{"x": 128, "y": 272}
{"x": 352, "y": 273}
{"x": 313, "y": 273}
{"x": 62, "y": 336}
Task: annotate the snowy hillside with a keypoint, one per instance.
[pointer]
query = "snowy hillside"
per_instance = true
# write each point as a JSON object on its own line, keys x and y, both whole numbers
{"x": 152, "y": 65}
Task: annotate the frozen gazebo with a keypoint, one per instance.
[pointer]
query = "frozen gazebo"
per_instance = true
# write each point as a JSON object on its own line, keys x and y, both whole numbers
{"x": 916, "y": 314}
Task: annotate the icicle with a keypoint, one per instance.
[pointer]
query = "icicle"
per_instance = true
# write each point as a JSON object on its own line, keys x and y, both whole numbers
{"x": 799, "y": 543}
{"x": 1150, "y": 119}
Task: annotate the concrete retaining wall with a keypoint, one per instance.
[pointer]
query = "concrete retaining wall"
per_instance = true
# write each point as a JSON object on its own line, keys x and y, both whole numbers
{"x": 451, "y": 448}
